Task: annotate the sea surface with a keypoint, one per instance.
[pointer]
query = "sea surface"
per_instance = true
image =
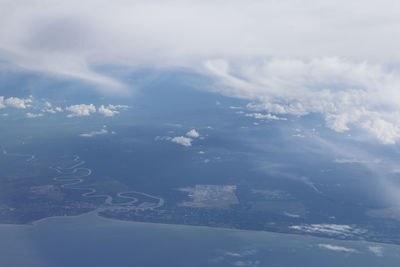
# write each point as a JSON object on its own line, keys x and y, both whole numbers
{"x": 90, "y": 240}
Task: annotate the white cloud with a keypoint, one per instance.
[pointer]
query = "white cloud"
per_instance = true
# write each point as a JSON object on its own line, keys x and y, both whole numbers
{"x": 48, "y": 107}
{"x": 2, "y": 105}
{"x": 113, "y": 107}
{"x": 233, "y": 107}
{"x": 347, "y": 94}
{"x": 111, "y": 110}
{"x": 290, "y": 54}
{"x": 329, "y": 229}
{"x": 360, "y": 161}
{"x": 68, "y": 38}
{"x": 16, "y": 102}
{"x": 264, "y": 116}
{"x": 80, "y": 110}
{"x": 52, "y": 110}
{"x": 292, "y": 215}
{"x": 185, "y": 141}
{"x": 193, "y": 134}
{"x": 338, "y": 248}
{"x": 162, "y": 138}
{"x": 33, "y": 115}
{"x": 49, "y": 110}
{"x": 378, "y": 251}
{"x": 107, "y": 111}
{"x": 91, "y": 134}
{"x": 245, "y": 253}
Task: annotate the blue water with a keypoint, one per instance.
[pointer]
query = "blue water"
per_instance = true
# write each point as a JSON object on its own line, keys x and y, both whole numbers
{"x": 89, "y": 240}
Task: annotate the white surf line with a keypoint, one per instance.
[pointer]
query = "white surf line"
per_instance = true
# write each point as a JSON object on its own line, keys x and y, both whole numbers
{"x": 70, "y": 180}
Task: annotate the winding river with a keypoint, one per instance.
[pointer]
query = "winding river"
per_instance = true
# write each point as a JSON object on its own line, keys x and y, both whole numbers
{"x": 74, "y": 176}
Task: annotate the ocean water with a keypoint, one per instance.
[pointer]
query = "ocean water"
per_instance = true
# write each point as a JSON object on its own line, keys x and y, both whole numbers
{"x": 89, "y": 240}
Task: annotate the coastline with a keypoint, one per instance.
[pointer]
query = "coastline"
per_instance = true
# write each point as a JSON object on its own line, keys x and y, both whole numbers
{"x": 95, "y": 214}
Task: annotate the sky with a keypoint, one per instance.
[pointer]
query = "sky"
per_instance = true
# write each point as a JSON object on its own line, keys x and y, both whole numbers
{"x": 338, "y": 59}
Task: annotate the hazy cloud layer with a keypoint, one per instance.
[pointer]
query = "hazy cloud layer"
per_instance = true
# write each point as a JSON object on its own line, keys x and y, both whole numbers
{"x": 288, "y": 57}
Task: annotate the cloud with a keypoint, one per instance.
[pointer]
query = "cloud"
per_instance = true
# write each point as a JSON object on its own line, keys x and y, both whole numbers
{"x": 107, "y": 111}
{"x": 360, "y": 161}
{"x": 338, "y": 248}
{"x": 32, "y": 115}
{"x": 94, "y": 133}
{"x": 113, "y": 107}
{"x": 185, "y": 141}
{"x": 347, "y": 94}
{"x": 53, "y": 110}
{"x": 111, "y": 110}
{"x": 341, "y": 230}
{"x": 162, "y": 138}
{"x": 244, "y": 253}
{"x": 15, "y": 102}
{"x": 378, "y": 251}
{"x": 48, "y": 107}
{"x": 292, "y": 215}
{"x": 193, "y": 133}
{"x": 264, "y": 116}
{"x": 291, "y": 58}
{"x": 80, "y": 110}
{"x": 68, "y": 38}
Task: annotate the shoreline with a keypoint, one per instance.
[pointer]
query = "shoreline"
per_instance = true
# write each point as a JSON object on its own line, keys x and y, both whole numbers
{"x": 95, "y": 213}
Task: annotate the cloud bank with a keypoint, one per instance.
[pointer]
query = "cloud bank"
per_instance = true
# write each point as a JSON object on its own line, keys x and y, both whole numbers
{"x": 286, "y": 57}
{"x": 347, "y": 94}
